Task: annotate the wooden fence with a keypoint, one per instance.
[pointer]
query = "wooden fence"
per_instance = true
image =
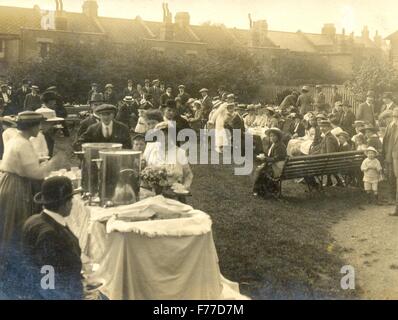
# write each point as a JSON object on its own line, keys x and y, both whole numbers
{"x": 272, "y": 92}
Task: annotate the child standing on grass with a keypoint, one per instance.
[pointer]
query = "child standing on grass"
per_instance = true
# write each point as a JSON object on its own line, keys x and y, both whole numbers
{"x": 372, "y": 170}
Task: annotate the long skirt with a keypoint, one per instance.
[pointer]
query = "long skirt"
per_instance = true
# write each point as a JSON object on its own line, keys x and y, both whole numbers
{"x": 265, "y": 184}
{"x": 15, "y": 208}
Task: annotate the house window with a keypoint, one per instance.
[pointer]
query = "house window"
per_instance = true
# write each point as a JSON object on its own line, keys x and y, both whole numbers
{"x": 191, "y": 53}
{"x": 2, "y": 49}
{"x": 44, "y": 49}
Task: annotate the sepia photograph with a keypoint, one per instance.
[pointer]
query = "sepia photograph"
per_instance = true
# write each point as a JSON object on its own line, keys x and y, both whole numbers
{"x": 220, "y": 151}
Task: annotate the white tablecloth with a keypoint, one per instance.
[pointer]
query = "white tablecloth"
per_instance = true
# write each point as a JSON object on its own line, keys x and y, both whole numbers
{"x": 152, "y": 259}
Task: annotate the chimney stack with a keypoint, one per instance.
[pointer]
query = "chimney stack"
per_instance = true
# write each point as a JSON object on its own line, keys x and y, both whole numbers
{"x": 167, "y": 29}
{"x": 365, "y": 33}
{"x": 329, "y": 30}
{"x": 61, "y": 22}
{"x": 90, "y": 8}
{"x": 259, "y": 32}
{"x": 182, "y": 19}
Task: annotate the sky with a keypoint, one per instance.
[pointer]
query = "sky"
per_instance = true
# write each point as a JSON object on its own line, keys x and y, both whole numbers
{"x": 282, "y": 15}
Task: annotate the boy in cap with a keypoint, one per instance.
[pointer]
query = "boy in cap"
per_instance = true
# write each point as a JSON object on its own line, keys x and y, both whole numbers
{"x": 372, "y": 170}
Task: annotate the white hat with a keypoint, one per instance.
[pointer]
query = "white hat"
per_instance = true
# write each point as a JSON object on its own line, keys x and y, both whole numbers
{"x": 371, "y": 149}
{"x": 49, "y": 114}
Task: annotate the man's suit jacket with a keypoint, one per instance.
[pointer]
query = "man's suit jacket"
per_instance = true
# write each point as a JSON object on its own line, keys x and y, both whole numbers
{"x": 366, "y": 113}
{"x": 299, "y": 129}
{"x": 346, "y": 122}
{"x": 20, "y": 96}
{"x": 47, "y": 243}
{"x": 278, "y": 152}
{"x": 32, "y": 102}
{"x": 156, "y": 94}
{"x": 110, "y": 98}
{"x": 120, "y": 134}
{"x": 184, "y": 97}
{"x": 90, "y": 120}
{"x": 390, "y": 143}
{"x": 163, "y": 99}
{"x": 128, "y": 92}
{"x": 207, "y": 106}
{"x": 329, "y": 144}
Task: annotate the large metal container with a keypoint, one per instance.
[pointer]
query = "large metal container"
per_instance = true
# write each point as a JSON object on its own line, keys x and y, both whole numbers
{"x": 120, "y": 177}
{"x": 90, "y": 168}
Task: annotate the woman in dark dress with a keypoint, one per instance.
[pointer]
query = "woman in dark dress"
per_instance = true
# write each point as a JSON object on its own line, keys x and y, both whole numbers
{"x": 266, "y": 177}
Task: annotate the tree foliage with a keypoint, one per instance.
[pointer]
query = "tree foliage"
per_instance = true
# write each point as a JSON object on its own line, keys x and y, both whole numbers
{"x": 373, "y": 74}
{"x": 72, "y": 67}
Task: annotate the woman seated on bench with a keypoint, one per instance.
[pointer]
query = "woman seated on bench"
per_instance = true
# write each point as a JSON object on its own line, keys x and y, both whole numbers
{"x": 266, "y": 176}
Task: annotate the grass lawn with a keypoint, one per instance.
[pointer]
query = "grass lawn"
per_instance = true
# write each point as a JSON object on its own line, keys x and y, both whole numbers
{"x": 274, "y": 249}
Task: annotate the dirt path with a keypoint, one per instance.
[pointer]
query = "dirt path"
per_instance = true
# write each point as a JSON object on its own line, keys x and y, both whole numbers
{"x": 369, "y": 238}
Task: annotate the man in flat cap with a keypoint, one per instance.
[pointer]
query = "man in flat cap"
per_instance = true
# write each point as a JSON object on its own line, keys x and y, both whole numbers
{"x": 207, "y": 103}
{"x": 147, "y": 86}
{"x": 347, "y": 118}
{"x": 329, "y": 143}
{"x": 183, "y": 95}
{"x": 168, "y": 95}
{"x": 305, "y": 101}
{"x": 107, "y": 130}
{"x": 388, "y": 103}
{"x": 366, "y": 110}
{"x": 32, "y": 100}
{"x": 156, "y": 93}
{"x": 93, "y": 118}
{"x": 20, "y": 94}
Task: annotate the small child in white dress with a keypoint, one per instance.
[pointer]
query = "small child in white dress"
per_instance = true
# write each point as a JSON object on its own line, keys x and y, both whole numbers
{"x": 372, "y": 170}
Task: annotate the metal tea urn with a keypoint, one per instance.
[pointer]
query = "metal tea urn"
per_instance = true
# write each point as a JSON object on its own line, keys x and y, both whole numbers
{"x": 91, "y": 165}
{"x": 120, "y": 177}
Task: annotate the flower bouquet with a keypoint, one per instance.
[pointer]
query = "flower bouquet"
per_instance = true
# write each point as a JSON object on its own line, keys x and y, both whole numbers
{"x": 156, "y": 178}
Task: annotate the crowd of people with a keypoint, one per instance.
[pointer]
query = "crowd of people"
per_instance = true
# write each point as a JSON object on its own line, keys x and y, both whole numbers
{"x": 301, "y": 124}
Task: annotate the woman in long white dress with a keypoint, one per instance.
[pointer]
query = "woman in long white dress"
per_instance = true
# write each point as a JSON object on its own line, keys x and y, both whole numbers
{"x": 168, "y": 155}
{"x": 20, "y": 166}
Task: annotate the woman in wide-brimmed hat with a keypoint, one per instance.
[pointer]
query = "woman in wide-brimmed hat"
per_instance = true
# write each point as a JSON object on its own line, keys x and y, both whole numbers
{"x": 266, "y": 176}
{"x": 20, "y": 167}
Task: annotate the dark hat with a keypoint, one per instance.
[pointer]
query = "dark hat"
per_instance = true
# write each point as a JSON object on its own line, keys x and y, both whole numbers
{"x": 170, "y": 104}
{"x": 55, "y": 189}
{"x": 368, "y": 127}
{"x": 387, "y": 95}
{"x": 29, "y": 117}
{"x": 48, "y": 96}
{"x": 97, "y": 97}
{"x": 276, "y": 131}
{"x": 105, "y": 108}
{"x": 325, "y": 123}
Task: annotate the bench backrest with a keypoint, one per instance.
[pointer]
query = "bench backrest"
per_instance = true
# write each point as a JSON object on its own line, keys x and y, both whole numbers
{"x": 313, "y": 165}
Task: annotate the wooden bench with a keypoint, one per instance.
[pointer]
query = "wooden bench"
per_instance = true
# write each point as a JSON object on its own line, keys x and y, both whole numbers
{"x": 319, "y": 165}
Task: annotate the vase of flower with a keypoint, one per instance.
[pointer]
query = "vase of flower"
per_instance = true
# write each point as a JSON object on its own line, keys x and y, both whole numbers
{"x": 155, "y": 178}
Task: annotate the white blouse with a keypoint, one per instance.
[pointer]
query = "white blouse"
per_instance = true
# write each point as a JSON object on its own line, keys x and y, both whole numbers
{"x": 20, "y": 158}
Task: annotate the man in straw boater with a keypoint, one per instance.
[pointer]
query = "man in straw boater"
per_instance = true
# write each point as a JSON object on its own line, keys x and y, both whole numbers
{"x": 47, "y": 241}
{"x": 390, "y": 156}
{"x": 107, "y": 130}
